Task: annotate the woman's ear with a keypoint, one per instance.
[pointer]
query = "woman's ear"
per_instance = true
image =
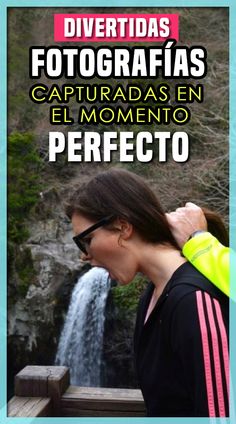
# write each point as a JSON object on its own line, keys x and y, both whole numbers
{"x": 126, "y": 229}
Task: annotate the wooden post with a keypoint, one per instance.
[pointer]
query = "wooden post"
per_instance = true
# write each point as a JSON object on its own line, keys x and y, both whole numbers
{"x": 43, "y": 381}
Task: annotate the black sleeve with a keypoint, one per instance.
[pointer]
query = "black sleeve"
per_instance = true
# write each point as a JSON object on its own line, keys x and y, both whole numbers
{"x": 200, "y": 341}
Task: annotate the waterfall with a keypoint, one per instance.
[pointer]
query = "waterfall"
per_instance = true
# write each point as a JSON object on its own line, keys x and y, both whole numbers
{"x": 81, "y": 340}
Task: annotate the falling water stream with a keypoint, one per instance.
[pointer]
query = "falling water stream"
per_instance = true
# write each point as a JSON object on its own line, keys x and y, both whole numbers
{"x": 81, "y": 340}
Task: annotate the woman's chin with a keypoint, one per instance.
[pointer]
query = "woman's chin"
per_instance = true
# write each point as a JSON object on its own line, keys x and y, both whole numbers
{"x": 122, "y": 281}
{"x": 113, "y": 277}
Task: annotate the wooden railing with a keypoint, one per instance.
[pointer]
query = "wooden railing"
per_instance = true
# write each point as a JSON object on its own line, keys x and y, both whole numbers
{"x": 42, "y": 391}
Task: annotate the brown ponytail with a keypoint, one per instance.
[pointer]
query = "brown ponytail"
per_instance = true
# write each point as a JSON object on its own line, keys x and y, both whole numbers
{"x": 216, "y": 226}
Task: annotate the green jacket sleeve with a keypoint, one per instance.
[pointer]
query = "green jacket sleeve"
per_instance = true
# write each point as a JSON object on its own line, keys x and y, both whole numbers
{"x": 211, "y": 258}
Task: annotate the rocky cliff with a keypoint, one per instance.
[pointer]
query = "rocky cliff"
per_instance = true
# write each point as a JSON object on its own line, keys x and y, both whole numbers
{"x": 35, "y": 317}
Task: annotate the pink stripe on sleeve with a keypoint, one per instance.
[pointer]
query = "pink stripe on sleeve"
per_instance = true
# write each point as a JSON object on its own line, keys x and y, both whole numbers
{"x": 206, "y": 355}
{"x": 216, "y": 356}
{"x": 224, "y": 341}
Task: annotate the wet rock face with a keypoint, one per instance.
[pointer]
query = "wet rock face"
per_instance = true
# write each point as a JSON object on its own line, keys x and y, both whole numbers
{"x": 35, "y": 319}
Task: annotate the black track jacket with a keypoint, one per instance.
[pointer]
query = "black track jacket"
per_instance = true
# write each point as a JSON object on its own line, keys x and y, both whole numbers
{"x": 181, "y": 351}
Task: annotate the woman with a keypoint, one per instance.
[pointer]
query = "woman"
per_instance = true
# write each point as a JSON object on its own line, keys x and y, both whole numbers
{"x": 181, "y": 345}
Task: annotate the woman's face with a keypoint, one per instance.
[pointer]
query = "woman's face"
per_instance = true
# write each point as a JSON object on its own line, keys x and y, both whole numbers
{"x": 106, "y": 249}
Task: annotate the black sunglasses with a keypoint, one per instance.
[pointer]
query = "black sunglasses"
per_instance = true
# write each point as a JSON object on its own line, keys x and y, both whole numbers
{"x": 79, "y": 238}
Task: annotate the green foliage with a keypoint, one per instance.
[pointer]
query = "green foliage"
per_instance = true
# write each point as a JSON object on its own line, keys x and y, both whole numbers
{"x": 23, "y": 182}
{"x": 127, "y": 297}
{"x": 25, "y": 270}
